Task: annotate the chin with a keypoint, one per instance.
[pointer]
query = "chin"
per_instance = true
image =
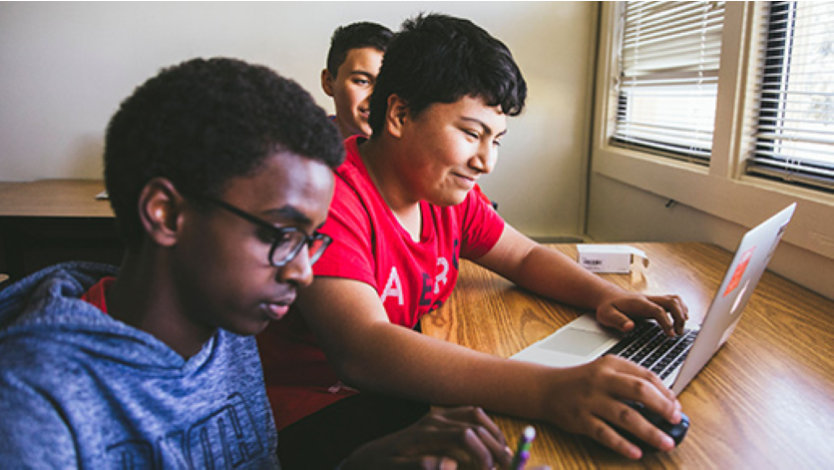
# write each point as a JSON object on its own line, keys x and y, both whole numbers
{"x": 249, "y": 329}
{"x": 450, "y": 199}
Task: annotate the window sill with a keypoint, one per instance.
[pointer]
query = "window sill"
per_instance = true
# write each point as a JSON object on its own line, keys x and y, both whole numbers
{"x": 746, "y": 200}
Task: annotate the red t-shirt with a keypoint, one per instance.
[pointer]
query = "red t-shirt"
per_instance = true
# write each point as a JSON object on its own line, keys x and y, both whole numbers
{"x": 96, "y": 294}
{"x": 411, "y": 278}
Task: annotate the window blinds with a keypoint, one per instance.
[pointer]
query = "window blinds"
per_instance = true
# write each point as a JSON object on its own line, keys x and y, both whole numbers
{"x": 668, "y": 81}
{"x": 795, "y": 133}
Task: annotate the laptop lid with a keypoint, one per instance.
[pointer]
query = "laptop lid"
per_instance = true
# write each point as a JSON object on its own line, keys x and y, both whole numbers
{"x": 749, "y": 263}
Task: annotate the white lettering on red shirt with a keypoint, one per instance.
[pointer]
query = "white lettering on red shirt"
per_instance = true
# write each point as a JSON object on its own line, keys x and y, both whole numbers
{"x": 393, "y": 287}
{"x": 441, "y": 276}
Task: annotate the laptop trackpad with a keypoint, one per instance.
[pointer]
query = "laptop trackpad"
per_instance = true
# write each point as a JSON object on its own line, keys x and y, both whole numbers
{"x": 575, "y": 341}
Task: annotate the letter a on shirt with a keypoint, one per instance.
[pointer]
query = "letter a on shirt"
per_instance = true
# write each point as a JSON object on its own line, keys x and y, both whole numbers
{"x": 393, "y": 287}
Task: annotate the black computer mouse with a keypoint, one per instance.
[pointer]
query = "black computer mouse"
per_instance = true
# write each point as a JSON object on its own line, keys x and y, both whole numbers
{"x": 675, "y": 431}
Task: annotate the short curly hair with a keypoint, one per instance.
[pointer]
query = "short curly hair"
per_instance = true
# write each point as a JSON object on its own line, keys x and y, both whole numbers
{"x": 203, "y": 122}
{"x": 438, "y": 58}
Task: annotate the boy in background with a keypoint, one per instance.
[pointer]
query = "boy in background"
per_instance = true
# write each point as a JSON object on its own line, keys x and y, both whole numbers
{"x": 353, "y": 63}
{"x": 219, "y": 174}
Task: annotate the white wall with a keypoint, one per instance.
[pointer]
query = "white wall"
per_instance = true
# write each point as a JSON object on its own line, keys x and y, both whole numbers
{"x": 64, "y": 68}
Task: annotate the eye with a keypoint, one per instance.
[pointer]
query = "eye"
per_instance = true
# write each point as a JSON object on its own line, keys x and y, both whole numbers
{"x": 472, "y": 134}
{"x": 496, "y": 143}
{"x": 265, "y": 235}
{"x": 362, "y": 81}
{"x": 283, "y": 237}
{"x": 269, "y": 236}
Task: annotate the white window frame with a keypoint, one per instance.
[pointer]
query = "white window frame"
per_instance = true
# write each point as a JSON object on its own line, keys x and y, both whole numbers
{"x": 722, "y": 189}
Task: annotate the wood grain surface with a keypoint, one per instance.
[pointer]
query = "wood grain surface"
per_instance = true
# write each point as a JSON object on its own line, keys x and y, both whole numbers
{"x": 54, "y": 198}
{"x": 765, "y": 400}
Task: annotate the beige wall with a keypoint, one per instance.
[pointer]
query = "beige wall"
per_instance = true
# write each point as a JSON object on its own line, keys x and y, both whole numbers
{"x": 618, "y": 212}
{"x": 66, "y": 66}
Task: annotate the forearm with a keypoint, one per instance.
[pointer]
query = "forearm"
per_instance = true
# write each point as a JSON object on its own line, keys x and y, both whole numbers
{"x": 552, "y": 274}
{"x": 546, "y": 271}
{"x": 394, "y": 360}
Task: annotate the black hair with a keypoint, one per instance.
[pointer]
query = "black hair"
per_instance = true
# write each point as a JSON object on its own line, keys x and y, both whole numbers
{"x": 355, "y": 36}
{"x": 437, "y": 58}
{"x": 203, "y": 122}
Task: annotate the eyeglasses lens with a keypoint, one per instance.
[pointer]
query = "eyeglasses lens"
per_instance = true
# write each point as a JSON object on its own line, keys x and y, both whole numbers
{"x": 288, "y": 247}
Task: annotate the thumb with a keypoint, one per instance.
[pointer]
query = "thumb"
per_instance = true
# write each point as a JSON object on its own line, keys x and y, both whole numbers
{"x": 613, "y": 316}
{"x": 439, "y": 462}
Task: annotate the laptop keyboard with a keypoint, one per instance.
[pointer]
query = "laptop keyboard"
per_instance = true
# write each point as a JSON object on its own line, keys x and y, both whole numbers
{"x": 648, "y": 345}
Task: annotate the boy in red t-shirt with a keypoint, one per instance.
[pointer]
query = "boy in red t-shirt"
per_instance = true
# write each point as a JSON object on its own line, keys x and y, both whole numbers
{"x": 403, "y": 214}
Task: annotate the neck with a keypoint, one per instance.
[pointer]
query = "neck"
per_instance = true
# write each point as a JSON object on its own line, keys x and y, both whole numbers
{"x": 144, "y": 297}
{"x": 380, "y": 159}
{"x": 344, "y": 130}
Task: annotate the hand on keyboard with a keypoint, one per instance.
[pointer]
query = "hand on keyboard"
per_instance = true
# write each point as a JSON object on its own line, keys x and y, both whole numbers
{"x": 619, "y": 311}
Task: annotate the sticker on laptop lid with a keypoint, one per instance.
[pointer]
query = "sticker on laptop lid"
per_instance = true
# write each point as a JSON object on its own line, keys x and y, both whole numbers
{"x": 739, "y": 273}
{"x": 739, "y": 298}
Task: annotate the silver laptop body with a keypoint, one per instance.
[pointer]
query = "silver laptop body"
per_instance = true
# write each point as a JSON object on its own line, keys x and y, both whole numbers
{"x": 584, "y": 339}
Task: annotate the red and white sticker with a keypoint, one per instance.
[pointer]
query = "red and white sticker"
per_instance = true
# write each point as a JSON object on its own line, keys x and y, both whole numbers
{"x": 739, "y": 273}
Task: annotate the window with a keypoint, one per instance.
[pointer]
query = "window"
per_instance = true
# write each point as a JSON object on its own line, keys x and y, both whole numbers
{"x": 794, "y": 139}
{"x": 668, "y": 77}
{"x": 770, "y": 123}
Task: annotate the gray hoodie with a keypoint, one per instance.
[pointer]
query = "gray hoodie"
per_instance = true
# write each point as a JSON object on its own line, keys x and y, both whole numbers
{"x": 79, "y": 389}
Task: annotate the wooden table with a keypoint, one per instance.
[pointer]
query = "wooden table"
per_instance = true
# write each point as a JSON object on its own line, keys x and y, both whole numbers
{"x": 46, "y": 221}
{"x": 766, "y": 399}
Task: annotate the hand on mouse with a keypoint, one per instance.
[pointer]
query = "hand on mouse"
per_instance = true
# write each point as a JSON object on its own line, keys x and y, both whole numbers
{"x": 590, "y": 402}
{"x": 675, "y": 431}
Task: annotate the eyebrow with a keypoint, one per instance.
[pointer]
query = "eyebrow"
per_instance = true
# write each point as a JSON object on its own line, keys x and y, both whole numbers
{"x": 362, "y": 72}
{"x": 289, "y": 213}
{"x": 485, "y": 127}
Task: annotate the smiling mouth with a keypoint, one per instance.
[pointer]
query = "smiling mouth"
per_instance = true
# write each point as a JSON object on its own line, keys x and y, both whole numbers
{"x": 466, "y": 180}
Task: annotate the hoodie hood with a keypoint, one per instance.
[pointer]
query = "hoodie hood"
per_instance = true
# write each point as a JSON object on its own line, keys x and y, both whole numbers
{"x": 48, "y": 304}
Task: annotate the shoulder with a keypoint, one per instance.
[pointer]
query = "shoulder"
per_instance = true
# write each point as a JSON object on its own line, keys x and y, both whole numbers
{"x": 355, "y": 198}
{"x": 36, "y": 360}
{"x": 238, "y": 348}
{"x": 480, "y": 225}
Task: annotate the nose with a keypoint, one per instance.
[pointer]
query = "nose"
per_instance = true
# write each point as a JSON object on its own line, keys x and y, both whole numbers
{"x": 484, "y": 160}
{"x": 365, "y": 103}
{"x": 298, "y": 270}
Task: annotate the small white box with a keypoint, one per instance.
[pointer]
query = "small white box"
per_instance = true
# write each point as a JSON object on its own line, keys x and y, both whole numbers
{"x": 609, "y": 258}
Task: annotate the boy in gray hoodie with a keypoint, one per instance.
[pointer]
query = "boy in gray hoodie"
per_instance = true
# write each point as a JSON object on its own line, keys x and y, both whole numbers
{"x": 219, "y": 174}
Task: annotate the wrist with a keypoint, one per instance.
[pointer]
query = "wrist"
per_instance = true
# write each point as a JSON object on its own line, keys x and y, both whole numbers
{"x": 607, "y": 294}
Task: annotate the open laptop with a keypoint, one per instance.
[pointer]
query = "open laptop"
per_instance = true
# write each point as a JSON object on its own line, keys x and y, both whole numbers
{"x": 676, "y": 360}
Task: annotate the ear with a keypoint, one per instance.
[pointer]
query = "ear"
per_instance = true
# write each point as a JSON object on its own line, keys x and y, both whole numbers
{"x": 160, "y": 211}
{"x": 327, "y": 82}
{"x": 396, "y": 115}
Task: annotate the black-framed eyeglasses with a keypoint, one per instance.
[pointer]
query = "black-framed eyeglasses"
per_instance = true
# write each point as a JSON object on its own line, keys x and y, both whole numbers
{"x": 287, "y": 242}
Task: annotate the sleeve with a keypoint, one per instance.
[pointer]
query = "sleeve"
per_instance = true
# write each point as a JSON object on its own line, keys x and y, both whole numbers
{"x": 350, "y": 255}
{"x": 481, "y": 226}
{"x": 34, "y": 433}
